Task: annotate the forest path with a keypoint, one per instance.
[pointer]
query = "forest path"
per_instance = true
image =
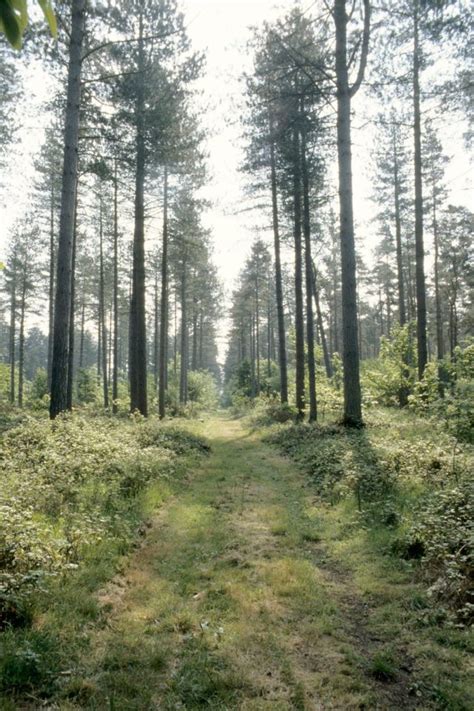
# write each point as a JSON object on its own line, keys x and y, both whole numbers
{"x": 233, "y": 602}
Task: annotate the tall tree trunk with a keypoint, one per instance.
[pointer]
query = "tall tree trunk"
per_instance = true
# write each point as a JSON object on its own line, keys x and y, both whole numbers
{"x": 83, "y": 322}
{"x": 105, "y": 381}
{"x": 312, "y": 416}
{"x": 51, "y": 285}
{"x": 138, "y": 347}
{"x": 115, "y": 365}
{"x": 257, "y": 325}
{"x": 201, "y": 339}
{"x": 350, "y": 354}
{"x": 21, "y": 340}
{"x": 183, "y": 375}
{"x": 156, "y": 335}
{"x": 439, "y": 316}
{"x": 12, "y": 335}
{"x": 299, "y": 321}
{"x": 70, "y": 354}
{"x": 419, "y": 246}
{"x": 282, "y": 359}
{"x": 195, "y": 335}
{"x": 164, "y": 304}
{"x": 62, "y": 310}
{"x": 398, "y": 235}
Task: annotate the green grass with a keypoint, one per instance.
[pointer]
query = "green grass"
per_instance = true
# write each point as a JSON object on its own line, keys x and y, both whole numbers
{"x": 249, "y": 592}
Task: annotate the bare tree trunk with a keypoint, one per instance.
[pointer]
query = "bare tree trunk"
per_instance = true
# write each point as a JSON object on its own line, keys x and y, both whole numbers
{"x": 183, "y": 379}
{"x": 195, "y": 335}
{"x": 156, "y": 335}
{"x": 350, "y": 355}
{"x": 83, "y": 321}
{"x": 398, "y": 235}
{"x": 70, "y": 355}
{"x": 105, "y": 381}
{"x": 257, "y": 324}
{"x": 419, "y": 246}
{"x": 164, "y": 304}
{"x": 21, "y": 339}
{"x": 12, "y": 335}
{"x": 138, "y": 347}
{"x": 278, "y": 277}
{"x": 51, "y": 285}
{"x": 62, "y": 310}
{"x": 313, "y": 413}
{"x": 115, "y": 297}
{"x": 299, "y": 321}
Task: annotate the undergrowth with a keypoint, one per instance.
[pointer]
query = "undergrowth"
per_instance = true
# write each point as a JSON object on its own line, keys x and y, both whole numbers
{"x": 70, "y": 486}
{"x": 407, "y": 476}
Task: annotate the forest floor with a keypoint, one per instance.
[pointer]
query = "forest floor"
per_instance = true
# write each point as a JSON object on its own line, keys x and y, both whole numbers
{"x": 243, "y": 595}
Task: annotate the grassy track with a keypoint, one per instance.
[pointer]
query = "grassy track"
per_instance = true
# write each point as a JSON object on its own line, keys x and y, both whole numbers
{"x": 244, "y": 596}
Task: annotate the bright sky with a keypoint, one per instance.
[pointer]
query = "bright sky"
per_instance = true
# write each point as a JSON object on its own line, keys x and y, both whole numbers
{"x": 221, "y": 29}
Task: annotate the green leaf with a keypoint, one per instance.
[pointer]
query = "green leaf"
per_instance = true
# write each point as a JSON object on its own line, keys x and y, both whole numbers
{"x": 9, "y": 23}
{"x": 48, "y": 12}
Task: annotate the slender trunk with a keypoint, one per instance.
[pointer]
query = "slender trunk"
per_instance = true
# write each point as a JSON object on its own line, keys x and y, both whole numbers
{"x": 439, "y": 316}
{"x": 156, "y": 335}
{"x": 299, "y": 321}
{"x": 138, "y": 347}
{"x": 51, "y": 285}
{"x": 21, "y": 340}
{"x": 12, "y": 337}
{"x": 115, "y": 366}
{"x": 201, "y": 339}
{"x": 350, "y": 351}
{"x": 282, "y": 359}
{"x": 105, "y": 382}
{"x": 195, "y": 335}
{"x": 183, "y": 380}
{"x": 62, "y": 310}
{"x": 398, "y": 235}
{"x": 164, "y": 304}
{"x": 184, "y": 340}
{"x": 252, "y": 356}
{"x": 419, "y": 247}
{"x": 70, "y": 355}
{"x": 309, "y": 279}
{"x": 257, "y": 324}
{"x": 83, "y": 321}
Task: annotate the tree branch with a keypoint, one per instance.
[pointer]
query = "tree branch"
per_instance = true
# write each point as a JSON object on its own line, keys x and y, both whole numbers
{"x": 365, "y": 50}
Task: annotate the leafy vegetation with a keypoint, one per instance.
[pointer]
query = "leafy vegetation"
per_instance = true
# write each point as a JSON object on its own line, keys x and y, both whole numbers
{"x": 404, "y": 475}
{"x": 70, "y": 487}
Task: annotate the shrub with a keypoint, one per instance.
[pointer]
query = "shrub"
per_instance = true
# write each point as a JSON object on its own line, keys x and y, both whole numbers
{"x": 69, "y": 485}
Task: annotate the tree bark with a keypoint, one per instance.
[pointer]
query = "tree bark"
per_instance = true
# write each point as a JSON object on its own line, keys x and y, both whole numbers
{"x": 105, "y": 381}
{"x": 51, "y": 285}
{"x": 116, "y": 299}
{"x": 278, "y": 277}
{"x": 183, "y": 374}
{"x": 164, "y": 304}
{"x": 422, "y": 347}
{"x": 59, "y": 372}
{"x": 138, "y": 347}
{"x": 70, "y": 355}
{"x": 350, "y": 353}
{"x": 21, "y": 339}
{"x": 12, "y": 334}
{"x": 313, "y": 413}
{"x": 299, "y": 321}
